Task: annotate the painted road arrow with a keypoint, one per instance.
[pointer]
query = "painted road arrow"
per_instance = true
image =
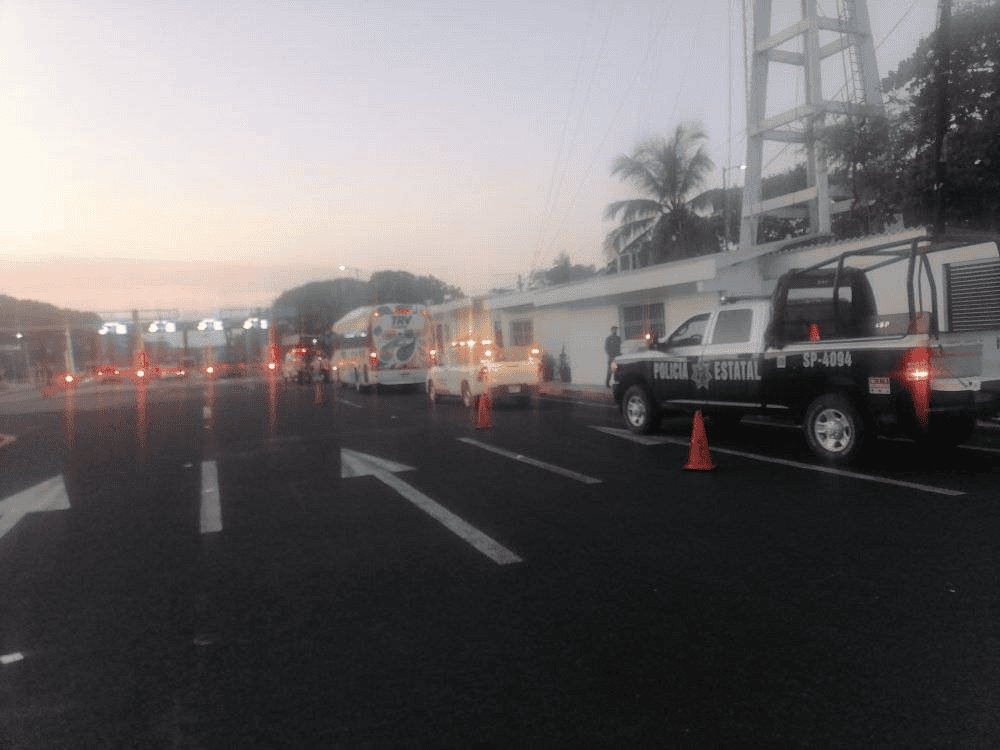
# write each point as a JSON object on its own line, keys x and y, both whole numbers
{"x": 47, "y": 495}
{"x": 356, "y": 464}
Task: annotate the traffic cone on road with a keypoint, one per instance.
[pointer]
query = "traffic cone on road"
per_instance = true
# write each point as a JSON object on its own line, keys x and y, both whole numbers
{"x": 483, "y": 420}
{"x": 699, "y": 458}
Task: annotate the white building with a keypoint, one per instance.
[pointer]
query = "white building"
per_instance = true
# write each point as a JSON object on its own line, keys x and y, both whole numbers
{"x": 656, "y": 299}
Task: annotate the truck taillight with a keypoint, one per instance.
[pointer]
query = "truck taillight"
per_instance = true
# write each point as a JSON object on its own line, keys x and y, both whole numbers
{"x": 917, "y": 364}
{"x": 916, "y": 374}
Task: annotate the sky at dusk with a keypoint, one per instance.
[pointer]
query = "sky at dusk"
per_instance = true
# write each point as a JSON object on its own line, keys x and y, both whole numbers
{"x": 207, "y": 154}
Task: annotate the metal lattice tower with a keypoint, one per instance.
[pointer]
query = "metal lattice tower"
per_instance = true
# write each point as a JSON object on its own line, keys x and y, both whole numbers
{"x": 860, "y": 96}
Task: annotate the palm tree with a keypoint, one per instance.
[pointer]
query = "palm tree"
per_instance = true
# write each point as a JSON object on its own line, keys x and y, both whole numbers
{"x": 664, "y": 224}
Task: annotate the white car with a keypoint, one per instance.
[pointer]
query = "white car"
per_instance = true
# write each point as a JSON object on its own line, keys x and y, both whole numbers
{"x": 469, "y": 368}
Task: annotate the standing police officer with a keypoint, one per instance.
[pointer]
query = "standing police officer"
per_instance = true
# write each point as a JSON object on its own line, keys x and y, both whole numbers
{"x": 612, "y": 347}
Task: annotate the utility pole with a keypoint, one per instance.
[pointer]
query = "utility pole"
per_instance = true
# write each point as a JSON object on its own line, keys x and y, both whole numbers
{"x": 70, "y": 362}
{"x": 942, "y": 78}
{"x": 799, "y": 45}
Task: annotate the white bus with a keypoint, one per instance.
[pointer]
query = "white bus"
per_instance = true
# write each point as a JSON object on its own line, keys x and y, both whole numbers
{"x": 382, "y": 345}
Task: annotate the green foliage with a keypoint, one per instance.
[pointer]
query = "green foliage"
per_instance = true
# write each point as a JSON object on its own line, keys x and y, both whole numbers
{"x": 973, "y": 139}
{"x": 18, "y": 313}
{"x": 663, "y": 224}
{"x": 866, "y": 167}
{"x": 44, "y": 342}
{"x": 562, "y": 271}
{"x": 314, "y": 307}
{"x": 401, "y": 286}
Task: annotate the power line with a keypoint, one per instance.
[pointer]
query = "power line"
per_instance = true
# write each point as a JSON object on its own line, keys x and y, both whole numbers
{"x": 547, "y": 208}
{"x": 621, "y": 104}
{"x": 579, "y": 120}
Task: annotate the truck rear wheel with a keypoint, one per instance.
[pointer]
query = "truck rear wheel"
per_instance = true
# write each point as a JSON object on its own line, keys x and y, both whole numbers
{"x": 835, "y": 429}
{"x": 639, "y": 411}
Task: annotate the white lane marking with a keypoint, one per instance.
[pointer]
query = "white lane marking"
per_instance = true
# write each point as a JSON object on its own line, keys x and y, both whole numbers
{"x": 349, "y": 403}
{"x": 800, "y": 465}
{"x": 357, "y": 464}
{"x": 206, "y": 412}
{"x": 6, "y": 440}
{"x": 980, "y": 448}
{"x": 48, "y": 495}
{"x": 640, "y": 439}
{"x": 211, "y": 507}
{"x": 11, "y": 658}
{"x": 532, "y": 461}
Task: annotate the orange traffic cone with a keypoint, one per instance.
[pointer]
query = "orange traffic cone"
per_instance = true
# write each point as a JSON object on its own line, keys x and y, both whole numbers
{"x": 483, "y": 420}
{"x": 699, "y": 458}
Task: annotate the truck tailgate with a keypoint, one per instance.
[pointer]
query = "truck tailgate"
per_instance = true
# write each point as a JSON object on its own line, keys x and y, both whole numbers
{"x": 972, "y": 356}
{"x": 513, "y": 373}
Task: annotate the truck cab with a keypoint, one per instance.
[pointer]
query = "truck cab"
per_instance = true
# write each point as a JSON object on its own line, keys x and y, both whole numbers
{"x": 711, "y": 361}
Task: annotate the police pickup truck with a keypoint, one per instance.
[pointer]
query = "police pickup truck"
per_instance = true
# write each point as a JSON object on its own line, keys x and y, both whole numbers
{"x": 820, "y": 351}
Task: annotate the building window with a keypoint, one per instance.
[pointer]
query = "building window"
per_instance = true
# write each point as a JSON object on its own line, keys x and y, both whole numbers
{"x": 642, "y": 319}
{"x": 521, "y": 333}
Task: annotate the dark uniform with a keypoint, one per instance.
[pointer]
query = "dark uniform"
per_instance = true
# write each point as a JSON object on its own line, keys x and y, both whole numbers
{"x": 612, "y": 347}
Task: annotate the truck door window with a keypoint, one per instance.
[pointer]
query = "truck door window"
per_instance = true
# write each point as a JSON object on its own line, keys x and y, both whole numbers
{"x": 732, "y": 327}
{"x": 689, "y": 333}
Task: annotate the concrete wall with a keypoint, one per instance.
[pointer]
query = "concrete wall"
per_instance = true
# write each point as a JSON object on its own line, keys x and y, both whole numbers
{"x": 579, "y": 315}
{"x": 582, "y": 330}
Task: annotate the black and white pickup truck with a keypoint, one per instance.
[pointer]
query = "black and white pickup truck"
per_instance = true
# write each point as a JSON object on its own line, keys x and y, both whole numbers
{"x": 819, "y": 351}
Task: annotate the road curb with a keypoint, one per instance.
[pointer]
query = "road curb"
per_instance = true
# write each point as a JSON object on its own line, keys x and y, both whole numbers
{"x": 596, "y": 394}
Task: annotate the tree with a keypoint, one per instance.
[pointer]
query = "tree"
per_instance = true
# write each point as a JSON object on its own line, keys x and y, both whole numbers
{"x": 664, "y": 223}
{"x": 866, "y": 165}
{"x": 973, "y": 134}
{"x": 562, "y": 271}
{"x": 402, "y": 286}
{"x": 317, "y": 305}
{"x": 45, "y": 324}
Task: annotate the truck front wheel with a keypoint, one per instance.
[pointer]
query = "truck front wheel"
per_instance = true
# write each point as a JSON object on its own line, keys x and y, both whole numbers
{"x": 639, "y": 411}
{"x": 835, "y": 429}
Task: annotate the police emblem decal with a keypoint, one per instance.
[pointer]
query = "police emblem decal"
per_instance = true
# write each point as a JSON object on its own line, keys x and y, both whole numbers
{"x": 701, "y": 374}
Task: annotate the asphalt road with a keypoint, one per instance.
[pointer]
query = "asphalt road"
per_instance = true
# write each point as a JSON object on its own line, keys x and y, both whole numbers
{"x": 205, "y": 575}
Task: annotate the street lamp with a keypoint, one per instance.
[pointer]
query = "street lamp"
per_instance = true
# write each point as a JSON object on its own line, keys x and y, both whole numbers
{"x": 356, "y": 271}
{"x": 725, "y": 202}
{"x": 206, "y": 324}
{"x": 162, "y": 326}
